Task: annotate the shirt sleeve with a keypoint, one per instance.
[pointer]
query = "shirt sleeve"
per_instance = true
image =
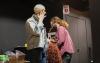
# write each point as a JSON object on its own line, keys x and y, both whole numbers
{"x": 31, "y": 27}
{"x": 39, "y": 27}
{"x": 61, "y": 35}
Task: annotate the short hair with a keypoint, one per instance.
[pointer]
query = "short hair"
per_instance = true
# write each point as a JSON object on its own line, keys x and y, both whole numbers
{"x": 38, "y": 8}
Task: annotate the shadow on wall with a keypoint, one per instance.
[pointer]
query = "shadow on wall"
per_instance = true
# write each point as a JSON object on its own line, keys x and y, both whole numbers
{"x": 12, "y": 33}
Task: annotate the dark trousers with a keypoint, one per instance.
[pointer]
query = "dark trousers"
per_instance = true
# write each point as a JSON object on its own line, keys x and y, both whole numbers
{"x": 66, "y": 57}
{"x": 36, "y": 55}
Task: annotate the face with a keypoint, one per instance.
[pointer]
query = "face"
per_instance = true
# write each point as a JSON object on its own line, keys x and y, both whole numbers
{"x": 56, "y": 24}
{"x": 43, "y": 12}
{"x": 41, "y": 15}
{"x": 53, "y": 24}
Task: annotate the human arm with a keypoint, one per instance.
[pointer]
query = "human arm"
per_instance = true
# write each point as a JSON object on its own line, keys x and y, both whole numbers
{"x": 60, "y": 36}
{"x": 31, "y": 27}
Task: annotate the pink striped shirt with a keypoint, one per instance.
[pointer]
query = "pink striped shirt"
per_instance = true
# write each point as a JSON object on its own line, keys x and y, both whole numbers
{"x": 62, "y": 35}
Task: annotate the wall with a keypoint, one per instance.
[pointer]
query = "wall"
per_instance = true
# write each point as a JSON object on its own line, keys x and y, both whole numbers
{"x": 12, "y": 33}
{"x": 13, "y": 15}
{"x": 95, "y": 18}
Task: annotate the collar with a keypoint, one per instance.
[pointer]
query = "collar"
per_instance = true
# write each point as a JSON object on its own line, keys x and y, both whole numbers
{"x": 35, "y": 17}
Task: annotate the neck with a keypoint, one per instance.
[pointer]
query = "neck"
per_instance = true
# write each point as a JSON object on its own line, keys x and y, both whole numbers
{"x": 35, "y": 17}
{"x": 58, "y": 25}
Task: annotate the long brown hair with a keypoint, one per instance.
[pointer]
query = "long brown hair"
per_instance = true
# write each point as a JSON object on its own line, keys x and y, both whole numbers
{"x": 64, "y": 23}
{"x": 56, "y": 20}
{"x": 61, "y": 22}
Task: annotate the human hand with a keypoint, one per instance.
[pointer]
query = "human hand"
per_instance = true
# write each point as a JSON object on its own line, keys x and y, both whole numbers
{"x": 41, "y": 16}
{"x": 53, "y": 40}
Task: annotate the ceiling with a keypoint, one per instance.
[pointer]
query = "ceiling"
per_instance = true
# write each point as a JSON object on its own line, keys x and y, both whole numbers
{"x": 81, "y": 5}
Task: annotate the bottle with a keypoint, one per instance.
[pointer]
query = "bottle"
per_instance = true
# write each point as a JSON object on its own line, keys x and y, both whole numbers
{"x": 25, "y": 45}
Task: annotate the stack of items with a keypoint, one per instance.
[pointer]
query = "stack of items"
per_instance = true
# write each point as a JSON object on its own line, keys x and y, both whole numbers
{"x": 17, "y": 57}
{"x": 20, "y": 57}
{"x": 4, "y": 58}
